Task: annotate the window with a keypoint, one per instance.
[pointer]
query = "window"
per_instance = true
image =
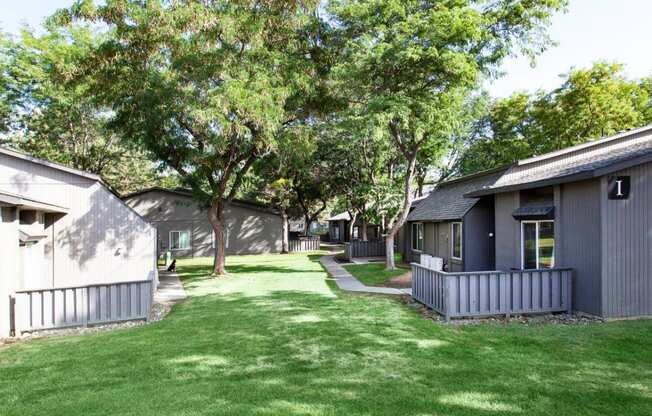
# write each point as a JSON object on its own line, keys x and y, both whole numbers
{"x": 336, "y": 233}
{"x": 538, "y": 244}
{"x": 356, "y": 233}
{"x": 179, "y": 240}
{"x": 456, "y": 239}
{"x": 417, "y": 236}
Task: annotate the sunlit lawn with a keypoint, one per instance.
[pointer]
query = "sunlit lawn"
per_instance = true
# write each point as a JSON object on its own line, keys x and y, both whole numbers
{"x": 276, "y": 338}
{"x": 374, "y": 274}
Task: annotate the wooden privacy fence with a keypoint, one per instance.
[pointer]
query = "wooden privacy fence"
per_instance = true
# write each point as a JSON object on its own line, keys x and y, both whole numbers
{"x": 304, "y": 244}
{"x": 372, "y": 248}
{"x": 472, "y": 294}
{"x": 82, "y": 306}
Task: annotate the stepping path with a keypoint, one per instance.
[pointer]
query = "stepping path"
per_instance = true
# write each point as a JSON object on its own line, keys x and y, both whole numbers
{"x": 346, "y": 281}
{"x": 170, "y": 289}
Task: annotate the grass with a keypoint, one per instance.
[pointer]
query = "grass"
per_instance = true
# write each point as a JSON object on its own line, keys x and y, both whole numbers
{"x": 374, "y": 274}
{"x": 276, "y": 338}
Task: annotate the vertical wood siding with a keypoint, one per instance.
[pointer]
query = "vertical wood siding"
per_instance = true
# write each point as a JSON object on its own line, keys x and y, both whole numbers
{"x": 577, "y": 228}
{"x": 81, "y": 306}
{"x": 493, "y": 292}
{"x": 99, "y": 240}
{"x": 627, "y": 247}
{"x": 373, "y": 248}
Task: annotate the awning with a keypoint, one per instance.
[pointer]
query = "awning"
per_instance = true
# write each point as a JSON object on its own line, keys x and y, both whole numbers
{"x": 534, "y": 213}
{"x": 25, "y": 237}
{"x": 13, "y": 200}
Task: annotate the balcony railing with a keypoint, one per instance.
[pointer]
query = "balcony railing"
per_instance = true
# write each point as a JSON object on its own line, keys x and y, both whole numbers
{"x": 490, "y": 293}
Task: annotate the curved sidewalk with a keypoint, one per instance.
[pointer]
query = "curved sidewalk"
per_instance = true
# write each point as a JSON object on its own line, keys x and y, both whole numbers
{"x": 170, "y": 289}
{"x": 346, "y": 281}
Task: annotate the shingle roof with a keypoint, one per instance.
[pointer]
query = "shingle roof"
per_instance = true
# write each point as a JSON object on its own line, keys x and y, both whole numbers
{"x": 447, "y": 201}
{"x": 584, "y": 161}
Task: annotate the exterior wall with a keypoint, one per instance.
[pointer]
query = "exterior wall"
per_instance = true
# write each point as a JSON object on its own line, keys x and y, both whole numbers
{"x": 99, "y": 240}
{"x": 578, "y": 235}
{"x": 627, "y": 247}
{"x": 478, "y": 246}
{"x": 508, "y": 232}
{"x": 248, "y": 230}
{"x": 9, "y": 258}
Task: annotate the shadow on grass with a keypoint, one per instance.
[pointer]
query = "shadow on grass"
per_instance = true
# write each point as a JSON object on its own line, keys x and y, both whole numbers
{"x": 294, "y": 352}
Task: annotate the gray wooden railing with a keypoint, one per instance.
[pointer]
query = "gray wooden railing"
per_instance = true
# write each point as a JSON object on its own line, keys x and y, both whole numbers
{"x": 487, "y": 293}
{"x": 304, "y": 244}
{"x": 373, "y": 248}
{"x": 82, "y": 306}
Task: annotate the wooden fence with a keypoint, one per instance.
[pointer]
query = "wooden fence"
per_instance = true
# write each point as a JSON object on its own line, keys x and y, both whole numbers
{"x": 372, "y": 248}
{"x": 474, "y": 294}
{"x": 82, "y": 306}
{"x": 304, "y": 244}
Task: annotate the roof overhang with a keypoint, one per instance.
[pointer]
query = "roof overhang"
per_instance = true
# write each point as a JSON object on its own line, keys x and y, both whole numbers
{"x": 24, "y": 237}
{"x": 580, "y": 176}
{"x": 19, "y": 201}
{"x": 534, "y": 213}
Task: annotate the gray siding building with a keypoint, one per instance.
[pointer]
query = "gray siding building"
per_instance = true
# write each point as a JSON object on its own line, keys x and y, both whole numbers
{"x": 587, "y": 208}
{"x": 63, "y": 228}
{"x": 449, "y": 226}
{"x": 184, "y": 229}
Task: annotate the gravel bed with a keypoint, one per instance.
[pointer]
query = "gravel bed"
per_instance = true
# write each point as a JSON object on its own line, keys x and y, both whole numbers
{"x": 158, "y": 312}
{"x": 576, "y": 318}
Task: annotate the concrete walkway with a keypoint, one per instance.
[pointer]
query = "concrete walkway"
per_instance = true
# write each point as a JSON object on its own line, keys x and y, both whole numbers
{"x": 346, "y": 281}
{"x": 170, "y": 289}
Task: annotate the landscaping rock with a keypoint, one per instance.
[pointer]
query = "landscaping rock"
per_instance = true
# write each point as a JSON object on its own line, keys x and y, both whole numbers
{"x": 158, "y": 312}
{"x": 576, "y": 318}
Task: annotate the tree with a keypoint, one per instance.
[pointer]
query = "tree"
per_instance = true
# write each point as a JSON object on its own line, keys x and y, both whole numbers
{"x": 203, "y": 86}
{"x": 407, "y": 68}
{"x": 47, "y": 117}
{"x": 589, "y": 104}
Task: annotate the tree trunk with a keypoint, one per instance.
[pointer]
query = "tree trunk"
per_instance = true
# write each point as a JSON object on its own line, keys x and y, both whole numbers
{"x": 364, "y": 230}
{"x": 353, "y": 217}
{"x": 395, "y": 227}
{"x": 216, "y": 218}
{"x": 285, "y": 245}
{"x": 306, "y": 232}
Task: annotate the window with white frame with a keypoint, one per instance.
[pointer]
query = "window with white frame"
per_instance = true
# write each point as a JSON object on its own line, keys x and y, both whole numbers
{"x": 417, "y": 236}
{"x": 456, "y": 240}
{"x": 538, "y": 244}
{"x": 179, "y": 240}
{"x": 356, "y": 232}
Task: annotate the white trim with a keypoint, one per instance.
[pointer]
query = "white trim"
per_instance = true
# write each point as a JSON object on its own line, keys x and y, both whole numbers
{"x": 453, "y": 241}
{"x": 536, "y": 243}
{"x": 53, "y": 165}
{"x": 179, "y": 231}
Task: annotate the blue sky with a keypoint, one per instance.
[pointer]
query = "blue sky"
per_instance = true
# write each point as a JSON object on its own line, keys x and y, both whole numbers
{"x": 592, "y": 30}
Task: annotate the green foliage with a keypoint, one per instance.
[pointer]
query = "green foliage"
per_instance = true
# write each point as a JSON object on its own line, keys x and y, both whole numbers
{"x": 201, "y": 86}
{"x": 42, "y": 114}
{"x": 408, "y": 68}
{"x": 590, "y": 103}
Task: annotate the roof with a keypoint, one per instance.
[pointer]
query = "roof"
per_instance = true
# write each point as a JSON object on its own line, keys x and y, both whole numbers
{"x": 584, "y": 161}
{"x": 188, "y": 193}
{"x": 29, "y": 203}
{"x": 341, "y": 216}
{"x": 447, "y": 201}
{"x": 53, "y": 165}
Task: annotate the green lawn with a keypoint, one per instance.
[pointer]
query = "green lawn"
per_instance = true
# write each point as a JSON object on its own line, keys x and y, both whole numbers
{"x": 276, "y": 338}
{"x": 374, "y": 274}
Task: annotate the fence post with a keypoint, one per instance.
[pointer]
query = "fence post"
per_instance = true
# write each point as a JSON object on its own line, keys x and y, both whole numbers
{"x": 569, "y": 290}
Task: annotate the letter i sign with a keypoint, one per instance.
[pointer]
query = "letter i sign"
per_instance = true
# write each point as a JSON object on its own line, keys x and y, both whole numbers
{"x": 618, "y": 187}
